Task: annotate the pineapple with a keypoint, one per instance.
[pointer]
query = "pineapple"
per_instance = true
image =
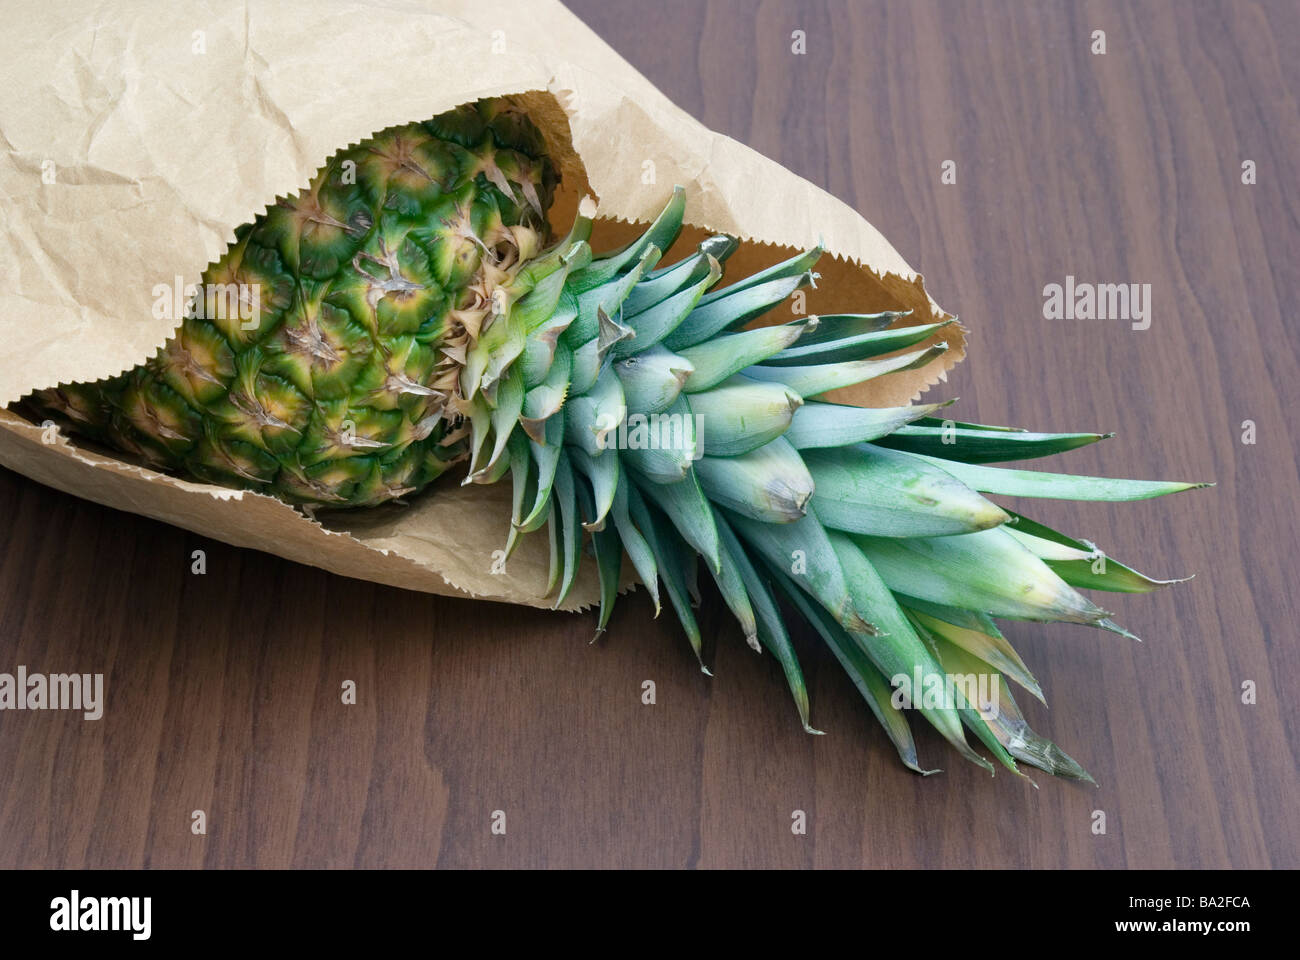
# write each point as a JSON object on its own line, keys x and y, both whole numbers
{"x": 409, "y": 311}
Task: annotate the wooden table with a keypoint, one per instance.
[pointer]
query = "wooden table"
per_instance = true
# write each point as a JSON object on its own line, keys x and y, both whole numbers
{"x": 1124, "y": 167}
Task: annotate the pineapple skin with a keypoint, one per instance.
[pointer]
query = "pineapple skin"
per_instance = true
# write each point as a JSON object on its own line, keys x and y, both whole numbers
{"x": 332, "y": 385}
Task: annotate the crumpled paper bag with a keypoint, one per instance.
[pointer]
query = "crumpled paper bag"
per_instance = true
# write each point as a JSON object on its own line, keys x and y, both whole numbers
{"x": 138, "y": 135}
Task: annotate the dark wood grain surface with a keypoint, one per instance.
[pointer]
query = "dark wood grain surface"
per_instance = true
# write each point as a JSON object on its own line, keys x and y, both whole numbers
{"x": 224, "y": 689}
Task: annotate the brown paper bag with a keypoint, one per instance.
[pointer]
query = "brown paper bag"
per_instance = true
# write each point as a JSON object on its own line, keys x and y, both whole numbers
{"x": 140, "y": 134}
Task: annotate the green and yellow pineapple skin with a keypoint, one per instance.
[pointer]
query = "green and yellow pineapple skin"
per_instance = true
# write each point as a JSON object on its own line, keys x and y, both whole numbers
{"x": 335, "y": 392}
{"x": 413, "y": 317}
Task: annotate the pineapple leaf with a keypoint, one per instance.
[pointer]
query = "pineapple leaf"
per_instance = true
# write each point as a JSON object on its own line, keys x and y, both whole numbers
{"x": 609, "y": 556}
{"x": 866, "y": 489}
{"x": 717, "y": 359}
{"x": 547, "y": 457}
{"x": 864, "y": 674}
{"x": 771, "y": 627}
{"x": 663, "y": 283}
{"x": 985, "y": 642}
{"x": 735, "y": 308}
{"x": 566, "y": 516}
{"x": 553, "y": 538}
{"x": 803, "y": 548}
{"x": 659, "y": 320}
{"x": 545, "y": 399}
{"x": 816, "y": 379}
{"x": 970, "y": 619}
{"x": 796, "y": 266}
{"x": 731, "y": 585}
{"x": 1061, "y": 486}
{"x": 1093, "y": 570}
{"x": 862, "y": 346}
{"x": 1004, "y": 719}
{"x": 637, "y": 547}
{"x": 675, "y": 559}
{"x": 652, "y": 380}
{"x": 666, "y": 455}
{"x": 595, "y": 414}
{"x": 509, "y": 405}
{"x": 963, "y": 425}
{"x": 740, "y": 415}
{"x": 817, "y": 425}
{"x": 770, "y": 483}
{"x": 897, "y": 650}
{"x": 602, "y": 473}
{"x": 522, "y": 479}
{"x": 661, "y": 235}
{"x": 839, "y": 326}
{"x": 988, "y": 571}
{"x": 607, "y": 299}
{"x": 539, "y": 304}
{"x": 543, "y": 343}
{"x": 688, "y": 509}
{"x": 985, "y": 446}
